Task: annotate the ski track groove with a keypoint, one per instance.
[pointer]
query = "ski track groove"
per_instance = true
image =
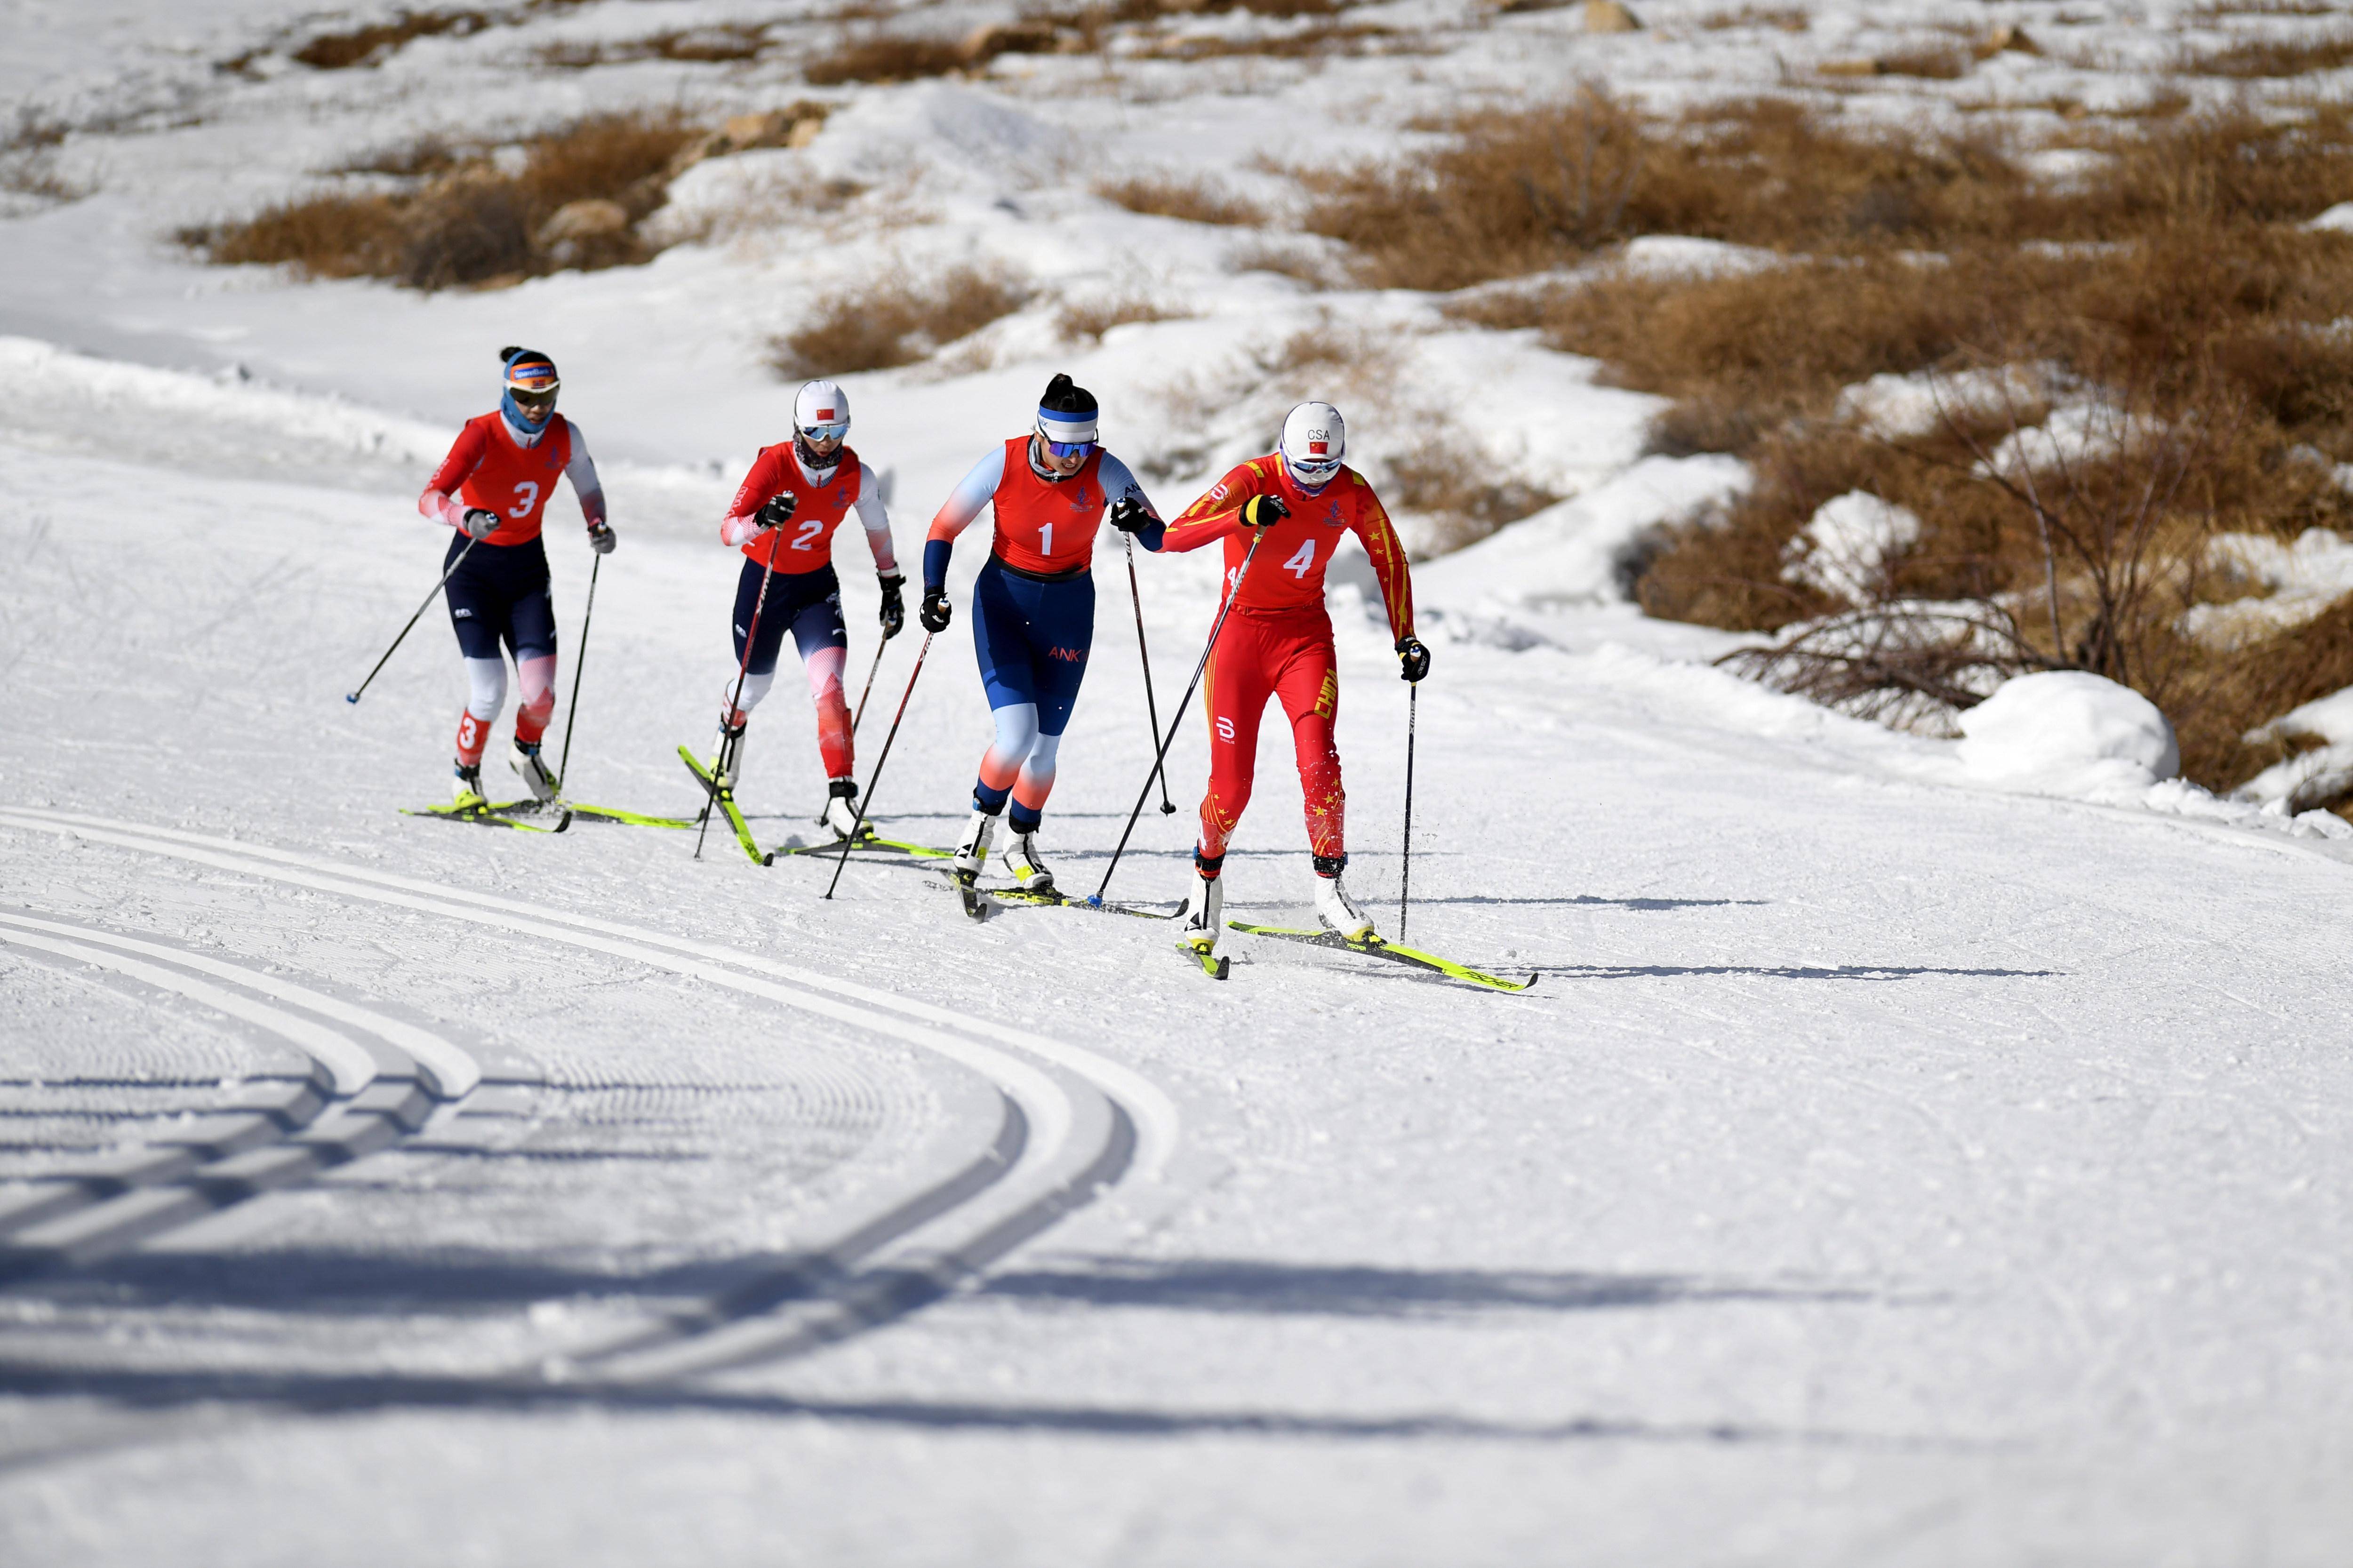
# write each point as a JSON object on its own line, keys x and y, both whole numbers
{"x": 1054, "y": 1151}
{"x": 358, "y": 1098}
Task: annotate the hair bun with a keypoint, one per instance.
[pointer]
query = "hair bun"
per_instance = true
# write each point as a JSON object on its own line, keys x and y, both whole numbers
{"x": 508, "y": 354}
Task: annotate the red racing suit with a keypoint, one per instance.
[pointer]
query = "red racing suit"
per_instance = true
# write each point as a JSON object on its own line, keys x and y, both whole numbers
{"x": 1277, "y": 642}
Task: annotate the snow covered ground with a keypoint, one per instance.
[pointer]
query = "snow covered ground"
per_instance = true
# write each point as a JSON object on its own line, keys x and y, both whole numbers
{"x": 1893, "y": 1163}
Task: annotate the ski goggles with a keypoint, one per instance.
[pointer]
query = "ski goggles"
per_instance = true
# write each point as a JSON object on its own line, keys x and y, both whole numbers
{"x": 1313, "y": 473}
{"x": 529, "y": 397}
{"x": 1068, "y": 448}
{"x": 834, "y": 431}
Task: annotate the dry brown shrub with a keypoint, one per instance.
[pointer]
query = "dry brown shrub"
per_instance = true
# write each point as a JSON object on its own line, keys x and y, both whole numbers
{"x": 28, "y": 158}
{"x": 468, "y": 224}
{"x": 724, "y": 44}
{"x": 1786, "y": 18}
{"x": 897, "y": 321}
{"x": 1939, "y": 62}
{"x": 2279, "y": 57}
{"x": 1093, "y": 318}
{"x": 369, "y": 45}
{"x": 1300, "y": 262}
{"x": 1465, "y": 501}
{"x": 887, "y": 58}
{"x": 1171, "y": 196}
{"x": 1318, "y": 38}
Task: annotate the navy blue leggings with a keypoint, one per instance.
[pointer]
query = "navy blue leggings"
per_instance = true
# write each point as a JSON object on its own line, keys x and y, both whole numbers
{"x": 807, "y": 603}
{"x": 500, "y": 594}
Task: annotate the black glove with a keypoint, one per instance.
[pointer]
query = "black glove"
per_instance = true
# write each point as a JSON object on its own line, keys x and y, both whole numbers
{"x": 601, "y": 538}
{"x": 1264, "y": 512}
{"x": 894, "y": 608}
{"x": 1130, "y": 516}
{"x": 1413, "y": 656}
{"x": 936, "y": 611}
{"x": 481, "y": 524}
{"x": 779, "y": 509}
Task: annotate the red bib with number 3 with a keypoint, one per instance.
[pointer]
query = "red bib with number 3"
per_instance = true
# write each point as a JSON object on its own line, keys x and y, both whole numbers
{"x": 1047, "y": 526}
{"x": 500, "y": 475}
{"x": 805, "y": 544}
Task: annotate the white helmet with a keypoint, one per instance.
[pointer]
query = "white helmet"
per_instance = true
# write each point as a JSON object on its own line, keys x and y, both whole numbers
{"x": 821, "y": 408}
{"x": 1315, "y": 437}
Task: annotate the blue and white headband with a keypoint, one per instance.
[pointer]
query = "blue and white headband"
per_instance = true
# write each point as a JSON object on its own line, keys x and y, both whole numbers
{"x": 1066, "y": 429}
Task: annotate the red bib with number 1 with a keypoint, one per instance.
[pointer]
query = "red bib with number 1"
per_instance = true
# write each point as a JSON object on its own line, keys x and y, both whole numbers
{"x": 1047, "y": 526}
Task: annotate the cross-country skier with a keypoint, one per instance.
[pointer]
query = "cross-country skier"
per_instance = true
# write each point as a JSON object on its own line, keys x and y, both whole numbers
{"x": 1277, "y": 642}
{"x": 1033, "y": 608}
{"x": 493, "y": 487}
{"x": 782, "y": 519}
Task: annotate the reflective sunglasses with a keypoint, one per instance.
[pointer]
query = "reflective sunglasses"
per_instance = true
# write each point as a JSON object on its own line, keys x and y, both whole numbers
{"x": 1068, "y": 448}
{"x": 1313, "y": 473}
{"x": 530, "y": 399}
{"x": 834, "y": 431}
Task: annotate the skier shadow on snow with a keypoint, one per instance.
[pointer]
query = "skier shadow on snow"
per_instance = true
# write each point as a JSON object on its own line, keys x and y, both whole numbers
{"x": 1222, "y": 1285}
{"x": 1872, "y": 972}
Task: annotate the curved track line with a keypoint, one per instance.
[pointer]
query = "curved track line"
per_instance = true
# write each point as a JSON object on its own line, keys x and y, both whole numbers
{"x": 1157, "y": 1121}
{"x": 1054, "y": 1171}
{"x": 452, "y": 1072}
{"x": 377, "y": 1098}
{"x": 350, "y": 1067}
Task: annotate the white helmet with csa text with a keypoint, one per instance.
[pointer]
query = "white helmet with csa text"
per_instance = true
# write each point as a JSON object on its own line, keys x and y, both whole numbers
{"x": 1315, "y": 438}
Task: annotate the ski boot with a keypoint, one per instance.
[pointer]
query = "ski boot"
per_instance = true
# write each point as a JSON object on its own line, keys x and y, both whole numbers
{"x": 841, "y": 810}
{"x": 727, "y": 756}
{"x": 1334, "y": 908}
{"x": 1022, "y": 864}
{"x": 468, "y": 793}
{"x": 972, "y": 850}
{"x": 528, "y": 766}
{"x": 1204, "y": 917}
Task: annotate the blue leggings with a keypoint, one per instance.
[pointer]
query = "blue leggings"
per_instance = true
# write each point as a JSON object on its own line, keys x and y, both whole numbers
{"x": 1032, "y": 640}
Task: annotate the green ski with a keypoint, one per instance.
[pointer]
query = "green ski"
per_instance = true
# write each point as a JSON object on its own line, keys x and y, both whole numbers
{"x": 1375, "y": 947}
{"x": 492, "y": 814}
{"x": 634, "y": 818}
{"x": 1216, "y": 965}
{"x": 868, "y": 841}
{"x": 1064, "y": 901}
{"x": 725, "y": 800}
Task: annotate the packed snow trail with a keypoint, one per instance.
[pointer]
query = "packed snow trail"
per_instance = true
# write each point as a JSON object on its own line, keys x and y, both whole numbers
{"x": 1881, "y": 1169}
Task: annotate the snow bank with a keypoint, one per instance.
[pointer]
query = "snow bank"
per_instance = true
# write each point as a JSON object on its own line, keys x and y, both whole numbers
{"x": 1845, "y": 548}
{"x": 2322, "y": 772}
{"x": 2066, "y": 731}
{"x": 1577, "y": 553}
{"x": 2302, "y": 579}
{"x": 2337, "y": 219}
{"x": 1684, "y": 255}
{"x": 1895, "y": 405}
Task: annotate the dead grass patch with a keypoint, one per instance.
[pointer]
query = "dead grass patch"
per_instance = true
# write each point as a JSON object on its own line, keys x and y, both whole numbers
{"x": 1319, "y": 38}
{"x": 728, "y": 43}
{"x": 883, "y": 58}
{"x": 1463, "y": 501}
{"x": 1172, "y": 196}
{"x": 2256, "y": 58}
{"x": 373, "y": 43}
{"x": 1940, "y": 62}
{"x": 467, "y": 223}
{"x": 897, "y": 321}
{"x": 29, "y": 162}
{"x": 2183, "y": 311}
{"x": 1093, "y": 318}
{"x": 1782, "y": 18}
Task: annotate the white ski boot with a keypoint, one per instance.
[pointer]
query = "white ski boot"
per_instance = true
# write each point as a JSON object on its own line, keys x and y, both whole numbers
{"x": 469, "y": 786}
{"x": 1204, "y": 918}
{"x": 727, "y": 756}
{"x": 525, "y": 760}
{"x": 1336, "y": 911}
{"x": 841, "y": 809}
{"x": 972, "y": 850}
{"x": 1021, "y": 864}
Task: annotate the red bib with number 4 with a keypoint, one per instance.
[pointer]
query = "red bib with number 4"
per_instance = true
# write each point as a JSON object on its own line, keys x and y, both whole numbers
{"x": 486, "y": 468}
{"x": 1047, "y": 526}
{"x": 805, "y": 544}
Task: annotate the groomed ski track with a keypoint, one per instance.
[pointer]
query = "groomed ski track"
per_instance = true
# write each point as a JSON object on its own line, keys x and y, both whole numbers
{"x": 1070, "y": 1122}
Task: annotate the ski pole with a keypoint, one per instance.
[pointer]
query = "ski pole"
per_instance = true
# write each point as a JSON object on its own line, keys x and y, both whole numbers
{"x": 354, "y": 696}
{"x": 1412, "y": 709}
{"x": 768, "y": 571}
{"x": 1224, "y": 610}
{"x": 872, "y": 671}
{"x": 879, "y": 762}
{"x": 579, "y": 668}
{"x": 1150, "y": 709}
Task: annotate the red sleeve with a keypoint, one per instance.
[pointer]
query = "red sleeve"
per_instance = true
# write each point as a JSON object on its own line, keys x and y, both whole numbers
{"x": 764, "y": 481}
{"x": 1388, "y": 553}
{"x": 1219, "y": 512}
{"x": 465, "y": 457}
